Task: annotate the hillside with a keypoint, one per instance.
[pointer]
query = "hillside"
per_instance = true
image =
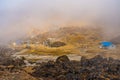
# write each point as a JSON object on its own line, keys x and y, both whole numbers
{"x": 116, "y": 40}
{"x": 68, "y": 33}
{"x": 77, "y": 59}
{"x": 78, "y": 40}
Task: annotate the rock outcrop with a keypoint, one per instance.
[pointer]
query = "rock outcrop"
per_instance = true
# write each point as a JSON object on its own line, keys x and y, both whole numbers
{"x": 97, "y": 68}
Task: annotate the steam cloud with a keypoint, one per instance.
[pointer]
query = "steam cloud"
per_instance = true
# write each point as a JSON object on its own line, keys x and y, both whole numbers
{"x": 18, "y": 16}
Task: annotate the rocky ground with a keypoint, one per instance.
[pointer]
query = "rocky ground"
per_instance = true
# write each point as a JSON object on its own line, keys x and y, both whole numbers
{"x": 97, "y": 68}
{"x": 17, "y": 75}
{"x": 62, "y": 68}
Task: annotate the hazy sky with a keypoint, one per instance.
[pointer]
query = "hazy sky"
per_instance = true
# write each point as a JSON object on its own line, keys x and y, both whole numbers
{"x": 18, "y": 16}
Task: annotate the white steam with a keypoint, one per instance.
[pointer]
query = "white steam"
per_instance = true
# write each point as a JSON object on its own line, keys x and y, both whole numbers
{"x": 18, "y": 16}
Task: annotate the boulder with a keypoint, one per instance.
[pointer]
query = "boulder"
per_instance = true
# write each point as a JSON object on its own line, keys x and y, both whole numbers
{"x": 62, "y": 59}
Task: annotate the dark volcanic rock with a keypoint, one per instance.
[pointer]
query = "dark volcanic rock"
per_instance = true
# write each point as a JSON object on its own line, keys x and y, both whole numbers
{"x": 97, "y": 68}
{"x": 62, "y": 59}
{"x": 7, "y": 59}
{"x": 57, "y": 44}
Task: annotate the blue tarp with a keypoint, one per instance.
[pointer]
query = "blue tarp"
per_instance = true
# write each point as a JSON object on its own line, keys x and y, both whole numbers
{"x": 106, "y": 44}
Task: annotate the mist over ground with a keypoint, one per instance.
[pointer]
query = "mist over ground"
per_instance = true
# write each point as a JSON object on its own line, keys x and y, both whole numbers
{"x": 17, "y": 17}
